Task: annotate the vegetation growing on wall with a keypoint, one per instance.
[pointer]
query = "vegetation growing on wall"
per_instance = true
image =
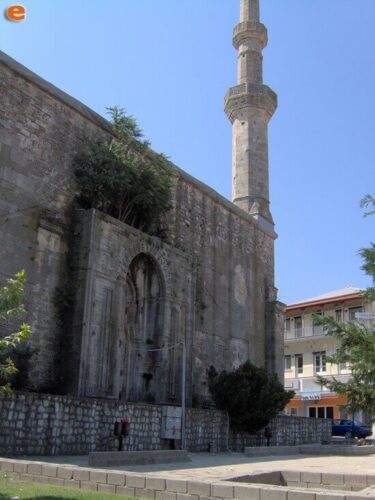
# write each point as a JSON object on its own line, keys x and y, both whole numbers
{"x": 122, "y": 177}
{"x": 251, "y": 396}
{"x": 11, "y": 306}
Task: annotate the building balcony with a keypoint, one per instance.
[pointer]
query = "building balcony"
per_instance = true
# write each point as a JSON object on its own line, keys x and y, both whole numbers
{"x": 304, "y": 332}
{"x": 305, "y": 385}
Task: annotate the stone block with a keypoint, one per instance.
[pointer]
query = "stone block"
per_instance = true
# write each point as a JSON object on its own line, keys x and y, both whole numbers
{"x": 247, "y": 492}
{"x": 49, "y": 470}
{"x": 65, "y": 472}
{"x": 70, "y": 483}
{"x": 88, "y": 485}
{"x": 26, "y": 477}
{"x": 13, "y": 475}
{"x": 124, "y": 490}
{"x": 116, "y": 478}
{"x": 268, "y": 493}
{"x": 199, "y": 488}
{"x": 134, "y": 481}
{"x": 20, "y": 467}
{"x": 355, "y": 479}
{"x": 330, "y": 496}
{"x": 107, "y": 488}
{"x": 177, "y": 485}
{"x": 155, "y": 483}
{"x": 291, "y": 475}
{"x": 221, "y": 490}
{"x": 97, "y": 476}
{"x": 56, "y": 481}
{"x": 166, "y": 495}
{"x": 301, "y": 495}
{"x": 311, "y": 477}
{"x": 186, "y": 496}
{"x": 335, "y": 487}
{"x": 360, "y": 496}
{"x": 144, "y": 493}
{"x": 35, "y": 469}
{"x": 7, "y": 466}
{"x": 81, "y": 474}
{"x": 41, "y": 479}
{"x": 329, "y": 478}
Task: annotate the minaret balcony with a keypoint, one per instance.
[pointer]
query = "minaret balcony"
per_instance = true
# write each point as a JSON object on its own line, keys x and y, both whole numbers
{"x": 249, "y": 95}
{"x": 250, "y": 30}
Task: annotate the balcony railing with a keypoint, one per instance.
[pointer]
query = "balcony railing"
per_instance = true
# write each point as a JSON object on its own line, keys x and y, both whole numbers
{"x": 309, "y": 384}
{"x": 306, "y": 331}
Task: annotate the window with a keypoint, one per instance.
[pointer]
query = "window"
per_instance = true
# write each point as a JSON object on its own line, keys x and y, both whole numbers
{"x": 294, "y": 412}
{"x": 342, "y": 366}
{"x": 317, "y": 329}
{"x": 319, "y": 362}
{"x": 288, "y": 362}
{"x": 299, "y": 363}
{"x": 338, "y": 315}
{"x": 321, "y": 411}
{"x": 352, "y": 311}
{"x": 298, "y": 326}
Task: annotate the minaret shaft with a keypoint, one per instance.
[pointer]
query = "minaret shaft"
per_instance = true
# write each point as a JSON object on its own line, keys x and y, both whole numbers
{"x": 249, "y": 106}
{"x": 249, "y": 9}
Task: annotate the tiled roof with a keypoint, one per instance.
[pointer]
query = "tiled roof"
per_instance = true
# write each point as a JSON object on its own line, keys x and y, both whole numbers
{"x": 329, "y": 296}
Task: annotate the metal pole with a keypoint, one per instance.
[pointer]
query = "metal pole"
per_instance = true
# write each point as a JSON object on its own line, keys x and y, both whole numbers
{"x": 183, "y": 396}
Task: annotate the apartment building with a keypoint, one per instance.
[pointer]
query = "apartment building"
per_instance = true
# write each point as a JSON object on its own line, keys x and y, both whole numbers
{"x": 307, "y": 346}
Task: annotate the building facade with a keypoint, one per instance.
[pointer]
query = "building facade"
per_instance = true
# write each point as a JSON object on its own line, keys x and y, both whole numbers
{"x": 143, "y": 310}
{"x": 306, "y": 347}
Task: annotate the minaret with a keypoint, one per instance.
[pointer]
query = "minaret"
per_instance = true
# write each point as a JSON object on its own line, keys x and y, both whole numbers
{"x": 249, "y": 106}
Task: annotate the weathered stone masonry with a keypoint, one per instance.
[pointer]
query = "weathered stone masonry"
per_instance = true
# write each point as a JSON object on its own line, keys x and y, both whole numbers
{"x": 41, "y": 424}
{"x": 214, "y": 278}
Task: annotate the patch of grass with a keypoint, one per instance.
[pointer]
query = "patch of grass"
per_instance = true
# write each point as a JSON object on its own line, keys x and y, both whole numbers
{"x": 12, "y": 489}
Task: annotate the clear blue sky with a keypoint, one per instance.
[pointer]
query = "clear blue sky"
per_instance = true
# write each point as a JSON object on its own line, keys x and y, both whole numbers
{"x": 170, "y": 62}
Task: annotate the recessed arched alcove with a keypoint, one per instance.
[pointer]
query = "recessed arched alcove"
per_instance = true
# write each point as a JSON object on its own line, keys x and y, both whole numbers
{"x": 143, "y": 330}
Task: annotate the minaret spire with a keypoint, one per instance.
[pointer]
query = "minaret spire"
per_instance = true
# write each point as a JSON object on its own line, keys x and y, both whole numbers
{"x": 249, "y": 106}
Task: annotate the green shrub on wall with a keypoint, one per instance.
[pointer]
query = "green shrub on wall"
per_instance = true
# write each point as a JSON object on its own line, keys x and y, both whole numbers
{"x": 123, "y": 177}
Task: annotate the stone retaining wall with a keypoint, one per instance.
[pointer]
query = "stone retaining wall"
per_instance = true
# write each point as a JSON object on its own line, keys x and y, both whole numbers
{"x": 286, "y": 431}
{"x": 42, "y": 424}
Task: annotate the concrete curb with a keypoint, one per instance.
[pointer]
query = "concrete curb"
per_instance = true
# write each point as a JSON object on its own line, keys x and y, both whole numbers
{"x": 163, "y": 488}
{"x": 310, "y": 449}
{"x": 109, "y": 458}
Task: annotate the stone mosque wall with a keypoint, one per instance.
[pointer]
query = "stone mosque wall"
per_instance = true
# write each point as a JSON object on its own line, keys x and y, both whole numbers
{"x": 209, "y": 285}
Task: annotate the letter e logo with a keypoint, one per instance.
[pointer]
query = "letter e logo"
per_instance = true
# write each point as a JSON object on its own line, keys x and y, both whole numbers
{"x": 15, "y": 13}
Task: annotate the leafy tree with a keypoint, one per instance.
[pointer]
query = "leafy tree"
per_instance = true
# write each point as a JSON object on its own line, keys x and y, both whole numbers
{"x": 123, "y": 177}
{"x": 251, "y": 396}
{"x": 357, "y": 344}
{"x": 11, "y": 306}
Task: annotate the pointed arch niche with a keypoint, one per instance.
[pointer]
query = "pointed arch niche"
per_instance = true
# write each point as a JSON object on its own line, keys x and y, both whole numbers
{"x": 144, "y": 330}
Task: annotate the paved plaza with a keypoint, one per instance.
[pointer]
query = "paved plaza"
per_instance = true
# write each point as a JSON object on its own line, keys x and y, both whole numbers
{"x": 209, "y": 466}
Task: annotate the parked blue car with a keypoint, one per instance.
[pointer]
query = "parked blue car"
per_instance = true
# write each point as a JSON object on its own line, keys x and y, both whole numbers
{"x": 350, "y": 428}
